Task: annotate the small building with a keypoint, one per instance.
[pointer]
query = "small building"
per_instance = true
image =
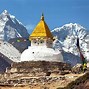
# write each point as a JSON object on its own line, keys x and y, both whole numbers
{"x": 41, "y": 48}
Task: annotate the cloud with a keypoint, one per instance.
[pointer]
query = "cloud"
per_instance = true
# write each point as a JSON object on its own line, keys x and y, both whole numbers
{"x": 30, "y": 27}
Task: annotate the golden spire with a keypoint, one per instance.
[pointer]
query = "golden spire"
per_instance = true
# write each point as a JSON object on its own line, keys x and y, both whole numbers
{"x": 42, "y": 17}
{"x": 41, "y": 30}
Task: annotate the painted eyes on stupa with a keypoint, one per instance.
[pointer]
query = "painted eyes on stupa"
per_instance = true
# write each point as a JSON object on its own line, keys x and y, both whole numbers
{"x": 40, "y": 41}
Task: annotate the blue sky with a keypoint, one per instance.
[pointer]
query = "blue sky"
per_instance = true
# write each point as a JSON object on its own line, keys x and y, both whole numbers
{"x": 56, "y": 12}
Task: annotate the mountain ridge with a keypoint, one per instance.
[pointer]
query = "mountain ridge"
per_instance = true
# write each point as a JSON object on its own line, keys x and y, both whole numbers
{"x": 10, "y": 27}
{"x": 67, "y": 36}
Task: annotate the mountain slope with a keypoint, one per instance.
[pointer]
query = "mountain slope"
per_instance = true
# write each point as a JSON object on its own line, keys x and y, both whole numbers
{"x": 10, "y": 27}
{"x": 67, "y": 37}
{"x": 10, "y": 52}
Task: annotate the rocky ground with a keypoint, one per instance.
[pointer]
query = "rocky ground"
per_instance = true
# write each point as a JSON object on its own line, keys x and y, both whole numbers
{"x": 84, "y": 85}
{"x": 46, "y": 82}
{"x": 54, "y": 81}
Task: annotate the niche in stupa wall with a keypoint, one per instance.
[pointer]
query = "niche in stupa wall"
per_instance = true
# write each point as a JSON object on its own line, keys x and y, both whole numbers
{"x": 49, "y": 43}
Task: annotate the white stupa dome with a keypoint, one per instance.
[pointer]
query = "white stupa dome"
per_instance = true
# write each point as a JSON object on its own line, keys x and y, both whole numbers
{"x": 40, "y": 53}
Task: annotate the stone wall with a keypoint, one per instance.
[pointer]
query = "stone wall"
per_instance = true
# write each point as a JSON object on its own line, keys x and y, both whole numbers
{"x": 38, "y": 68}
{"x": 40, "y": 64}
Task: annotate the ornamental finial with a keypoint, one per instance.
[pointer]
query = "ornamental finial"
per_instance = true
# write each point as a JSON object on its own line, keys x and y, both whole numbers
{"x": 42, "y": 17}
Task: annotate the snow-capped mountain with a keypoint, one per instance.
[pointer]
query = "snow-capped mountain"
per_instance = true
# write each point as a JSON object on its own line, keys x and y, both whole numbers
{"x": 11, "y": 30}
{"x": 10, "y": 27}
{"x": 67, "y": 38}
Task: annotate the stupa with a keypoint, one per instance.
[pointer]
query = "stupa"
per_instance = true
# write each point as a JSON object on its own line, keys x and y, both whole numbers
{"x": 40, "y": 63}
{"x": 41, "y": 48}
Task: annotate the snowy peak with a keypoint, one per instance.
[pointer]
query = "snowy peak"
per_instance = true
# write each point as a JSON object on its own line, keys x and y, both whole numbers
{"x": 5, "y": 16}
{"x": 74, "y": 26}
{"x": 5, "y": 12}
{"x": 70, "y": 26}
{"x": 10, "y": 27}
{"x": 67, "y": 36}
{"x": 71, "y": 29}
{"x": 8, "y": 16}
